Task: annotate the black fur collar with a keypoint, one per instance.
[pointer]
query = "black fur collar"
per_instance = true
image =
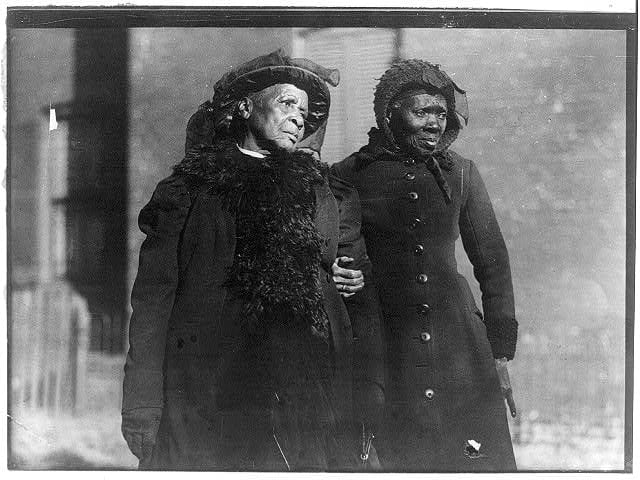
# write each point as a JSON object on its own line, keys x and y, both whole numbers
{"x": 275, "y": 267}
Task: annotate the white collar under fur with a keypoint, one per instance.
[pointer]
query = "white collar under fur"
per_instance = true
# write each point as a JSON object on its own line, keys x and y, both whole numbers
{"x": 251, "y": 153}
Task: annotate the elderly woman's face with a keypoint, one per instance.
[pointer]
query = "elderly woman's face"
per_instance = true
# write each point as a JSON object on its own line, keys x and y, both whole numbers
{"x": 276, "y": 118}
{"x": 419, "y": 121}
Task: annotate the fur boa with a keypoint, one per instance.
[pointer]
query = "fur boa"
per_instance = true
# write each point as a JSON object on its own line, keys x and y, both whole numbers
{"x": 275, "y": 267}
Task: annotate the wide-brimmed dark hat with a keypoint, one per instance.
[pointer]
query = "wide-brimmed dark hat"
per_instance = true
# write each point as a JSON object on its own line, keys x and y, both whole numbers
{"x": 255, "y": 75}
{"x": 415, "y": 74}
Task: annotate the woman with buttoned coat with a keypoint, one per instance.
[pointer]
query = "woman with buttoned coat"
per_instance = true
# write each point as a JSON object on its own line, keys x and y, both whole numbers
{"x": 446, "y": 360}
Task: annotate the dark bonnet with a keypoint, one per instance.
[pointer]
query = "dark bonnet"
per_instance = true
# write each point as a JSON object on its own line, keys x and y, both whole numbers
{"x": 214, "y": 117}
{"x": 416, "y": 74}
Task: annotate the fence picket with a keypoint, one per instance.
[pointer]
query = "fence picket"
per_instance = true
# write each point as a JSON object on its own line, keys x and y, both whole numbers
{"x": 50, "y": 328}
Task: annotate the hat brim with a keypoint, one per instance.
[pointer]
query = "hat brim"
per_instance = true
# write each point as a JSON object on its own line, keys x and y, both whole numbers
{"x": 312, "y": 84}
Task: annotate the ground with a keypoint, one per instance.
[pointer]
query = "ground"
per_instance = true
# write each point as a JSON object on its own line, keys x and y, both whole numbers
{"x": 92, "y": 440}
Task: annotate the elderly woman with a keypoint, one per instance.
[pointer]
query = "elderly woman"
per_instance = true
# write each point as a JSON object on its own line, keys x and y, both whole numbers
{"x": 242, "y": 355}
{"x": 446, "y": 362}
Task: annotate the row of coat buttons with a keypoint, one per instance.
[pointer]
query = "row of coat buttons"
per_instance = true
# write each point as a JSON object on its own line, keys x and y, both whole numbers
{"x": 413, "y": 196}
{"x": 421, "y": 278}
{"x": 424, "y": 309}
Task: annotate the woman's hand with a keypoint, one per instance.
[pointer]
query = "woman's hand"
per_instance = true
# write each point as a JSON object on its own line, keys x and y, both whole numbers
{"x": 311, "y": 152}
{"x": 348, "y": 282}
{"x": 139, "y": 429}
{"x": 505, "y": 384}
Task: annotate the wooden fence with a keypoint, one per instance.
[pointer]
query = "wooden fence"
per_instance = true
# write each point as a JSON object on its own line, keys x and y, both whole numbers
{"x": 49, "y": 328}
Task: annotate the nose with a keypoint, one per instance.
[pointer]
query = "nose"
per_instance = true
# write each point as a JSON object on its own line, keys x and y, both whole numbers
{"x": 431, "y": 123}
{"x": 298, "y": 120}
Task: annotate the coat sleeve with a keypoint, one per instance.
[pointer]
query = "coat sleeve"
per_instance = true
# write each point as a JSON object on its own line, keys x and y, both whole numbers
{"x": 364, "y": 311}
{"x": 487, "y": 251}
{"x": 153, "y": 294}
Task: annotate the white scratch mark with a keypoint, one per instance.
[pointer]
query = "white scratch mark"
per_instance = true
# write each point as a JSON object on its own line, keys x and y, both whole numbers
{"x": 28, "y": 430}
{"x": 53, "y": 123}
{"x": 281, "y": 452}
{"x": 474, "y": 444}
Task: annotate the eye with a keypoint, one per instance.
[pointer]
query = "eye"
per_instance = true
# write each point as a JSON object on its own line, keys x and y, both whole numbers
{"x": 419, "y": 113}
{"x": 442, "y": 116}
{"x": 289, "y": 101}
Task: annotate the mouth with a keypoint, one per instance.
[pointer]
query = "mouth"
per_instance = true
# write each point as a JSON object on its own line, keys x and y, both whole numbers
{"x": 428, "y": 142}
{"x": 292, "y": 136}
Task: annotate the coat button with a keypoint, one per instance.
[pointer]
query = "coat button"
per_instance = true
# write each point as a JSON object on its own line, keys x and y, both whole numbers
{"x": 429, "y": 393}
{"x": 422, "y": 278}
{"x": 424, "y": 308}
{"x": 419, "y": 250}
{"x": 413, "y": 196}
{"x": 409, "y": 161}
{"x": 415, "y": 223}
{"x": 410, "y": 176}
{"x": 425, "y": 337}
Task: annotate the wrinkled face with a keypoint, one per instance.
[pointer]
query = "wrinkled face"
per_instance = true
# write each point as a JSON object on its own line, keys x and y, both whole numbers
{"x": 418, "y": 121}
{"x": 275, "y": 118}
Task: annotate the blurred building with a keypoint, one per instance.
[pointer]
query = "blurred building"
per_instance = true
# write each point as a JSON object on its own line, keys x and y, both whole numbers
{"x": 68, "y": 197}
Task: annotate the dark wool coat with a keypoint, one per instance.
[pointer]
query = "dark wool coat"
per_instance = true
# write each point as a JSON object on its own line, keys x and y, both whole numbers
{"x": 442, "y": 386}
{"x": 237, "y": 390}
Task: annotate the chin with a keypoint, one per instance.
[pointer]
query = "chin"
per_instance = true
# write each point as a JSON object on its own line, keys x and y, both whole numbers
{"x": 285, "y": 148}
{"x": 417, "y": 149}
{"x": 280, "y": 146}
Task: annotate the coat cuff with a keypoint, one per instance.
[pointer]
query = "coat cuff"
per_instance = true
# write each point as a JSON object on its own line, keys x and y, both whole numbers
{"x": 502, "y": 335}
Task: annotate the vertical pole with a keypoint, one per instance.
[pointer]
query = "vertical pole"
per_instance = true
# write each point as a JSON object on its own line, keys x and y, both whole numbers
{"x": 398, "y": 44}
{"x": 102, "y": 96}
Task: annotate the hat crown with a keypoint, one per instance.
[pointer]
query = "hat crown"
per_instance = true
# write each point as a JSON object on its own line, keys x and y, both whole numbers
{"x": 215, "y": 116}
{"x": 273, "y": 61}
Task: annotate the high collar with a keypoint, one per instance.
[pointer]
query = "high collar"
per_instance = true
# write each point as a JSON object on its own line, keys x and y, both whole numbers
{"x": 435, "y": 161}
{"x": 380, "y": 145}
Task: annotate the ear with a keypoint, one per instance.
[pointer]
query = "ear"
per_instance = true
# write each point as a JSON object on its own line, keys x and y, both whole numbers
{"x": 245, "y": 107}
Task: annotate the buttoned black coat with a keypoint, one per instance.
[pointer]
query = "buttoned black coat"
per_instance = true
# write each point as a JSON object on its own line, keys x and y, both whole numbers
{"x": 442, "y": 385}
{"x": 193, "y": 355}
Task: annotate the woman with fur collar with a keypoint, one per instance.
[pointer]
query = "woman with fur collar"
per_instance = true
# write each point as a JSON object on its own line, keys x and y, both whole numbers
{"x": 242, "y": 353}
